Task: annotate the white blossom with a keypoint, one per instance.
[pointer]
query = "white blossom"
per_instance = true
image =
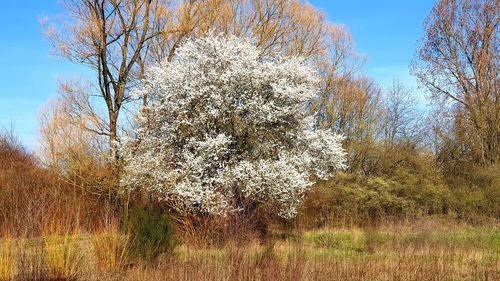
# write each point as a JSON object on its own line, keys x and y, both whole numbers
{"x": 226, "y": 128}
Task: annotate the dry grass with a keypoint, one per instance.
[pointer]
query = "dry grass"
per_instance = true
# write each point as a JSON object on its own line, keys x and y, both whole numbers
{"x": 6, "y": 258}
{"x": 63, "y": 254}
{"x": 111, "y": 249}
{"x": 30, "y": 257}
{"x": 424, "y": 250}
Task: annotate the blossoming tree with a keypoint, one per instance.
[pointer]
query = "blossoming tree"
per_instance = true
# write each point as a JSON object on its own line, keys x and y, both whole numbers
{"x": 226, "y": 129}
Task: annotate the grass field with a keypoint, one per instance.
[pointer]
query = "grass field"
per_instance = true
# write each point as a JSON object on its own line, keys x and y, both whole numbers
{"x": 422, "y": 250}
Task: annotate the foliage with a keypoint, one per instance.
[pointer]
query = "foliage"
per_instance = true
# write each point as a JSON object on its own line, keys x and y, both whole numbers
{"x": 151, "y": 232}
{"x": 476, "y": 192}
{"x": 226, "y": 129}
{"x": 412, "y": 188}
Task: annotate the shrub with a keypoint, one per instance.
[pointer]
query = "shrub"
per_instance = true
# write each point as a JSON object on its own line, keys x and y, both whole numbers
{"x": 476, "y": 193}
{"x": 151, "y": 232}
{"x": 354, "y": 199}
{"x": 428, "y": 192}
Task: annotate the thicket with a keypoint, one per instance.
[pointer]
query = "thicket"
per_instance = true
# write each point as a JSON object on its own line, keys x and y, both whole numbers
{"x": 412, "y": 187}
{"x": 32, "y": 198}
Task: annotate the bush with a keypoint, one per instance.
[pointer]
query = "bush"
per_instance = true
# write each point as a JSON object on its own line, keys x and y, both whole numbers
{"x": 354, "y": 199}
{"x": 351, "y": 199}
{"x": 475, "y": 192}
{"x": 427, "y": 192}
{"x": 151, "y": 232}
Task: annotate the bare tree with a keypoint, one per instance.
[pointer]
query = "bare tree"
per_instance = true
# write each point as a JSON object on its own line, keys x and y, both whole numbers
{"x": 458, "y": 63}
{"x": 343, "y": 89}
{"x": 349, "y": 102}
{"x": 401, "y": 117}
{"x": 78, "y": 156}
{"x": 111, "y": 37}
{"x": 284, "y": 26}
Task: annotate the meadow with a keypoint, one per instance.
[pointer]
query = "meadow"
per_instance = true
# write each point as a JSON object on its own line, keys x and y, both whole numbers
{"x": 425, "y": 249}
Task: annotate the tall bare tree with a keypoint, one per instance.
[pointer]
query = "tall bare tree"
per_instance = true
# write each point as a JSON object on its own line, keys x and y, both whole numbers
{"x": 458, "y": 62}
{"x": 401, "y": 117}
{"x": 110, "y": 36}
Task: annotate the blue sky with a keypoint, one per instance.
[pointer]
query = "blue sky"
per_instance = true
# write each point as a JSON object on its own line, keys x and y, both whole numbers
{"x": 28, "y": 73}
{"x": 386, "y": 31}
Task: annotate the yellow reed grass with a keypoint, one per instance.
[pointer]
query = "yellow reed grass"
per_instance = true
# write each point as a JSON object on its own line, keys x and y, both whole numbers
{"x": 6, "y": 258}
{"x": 63, "y": 255}
{"x": 111, "y": 249}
